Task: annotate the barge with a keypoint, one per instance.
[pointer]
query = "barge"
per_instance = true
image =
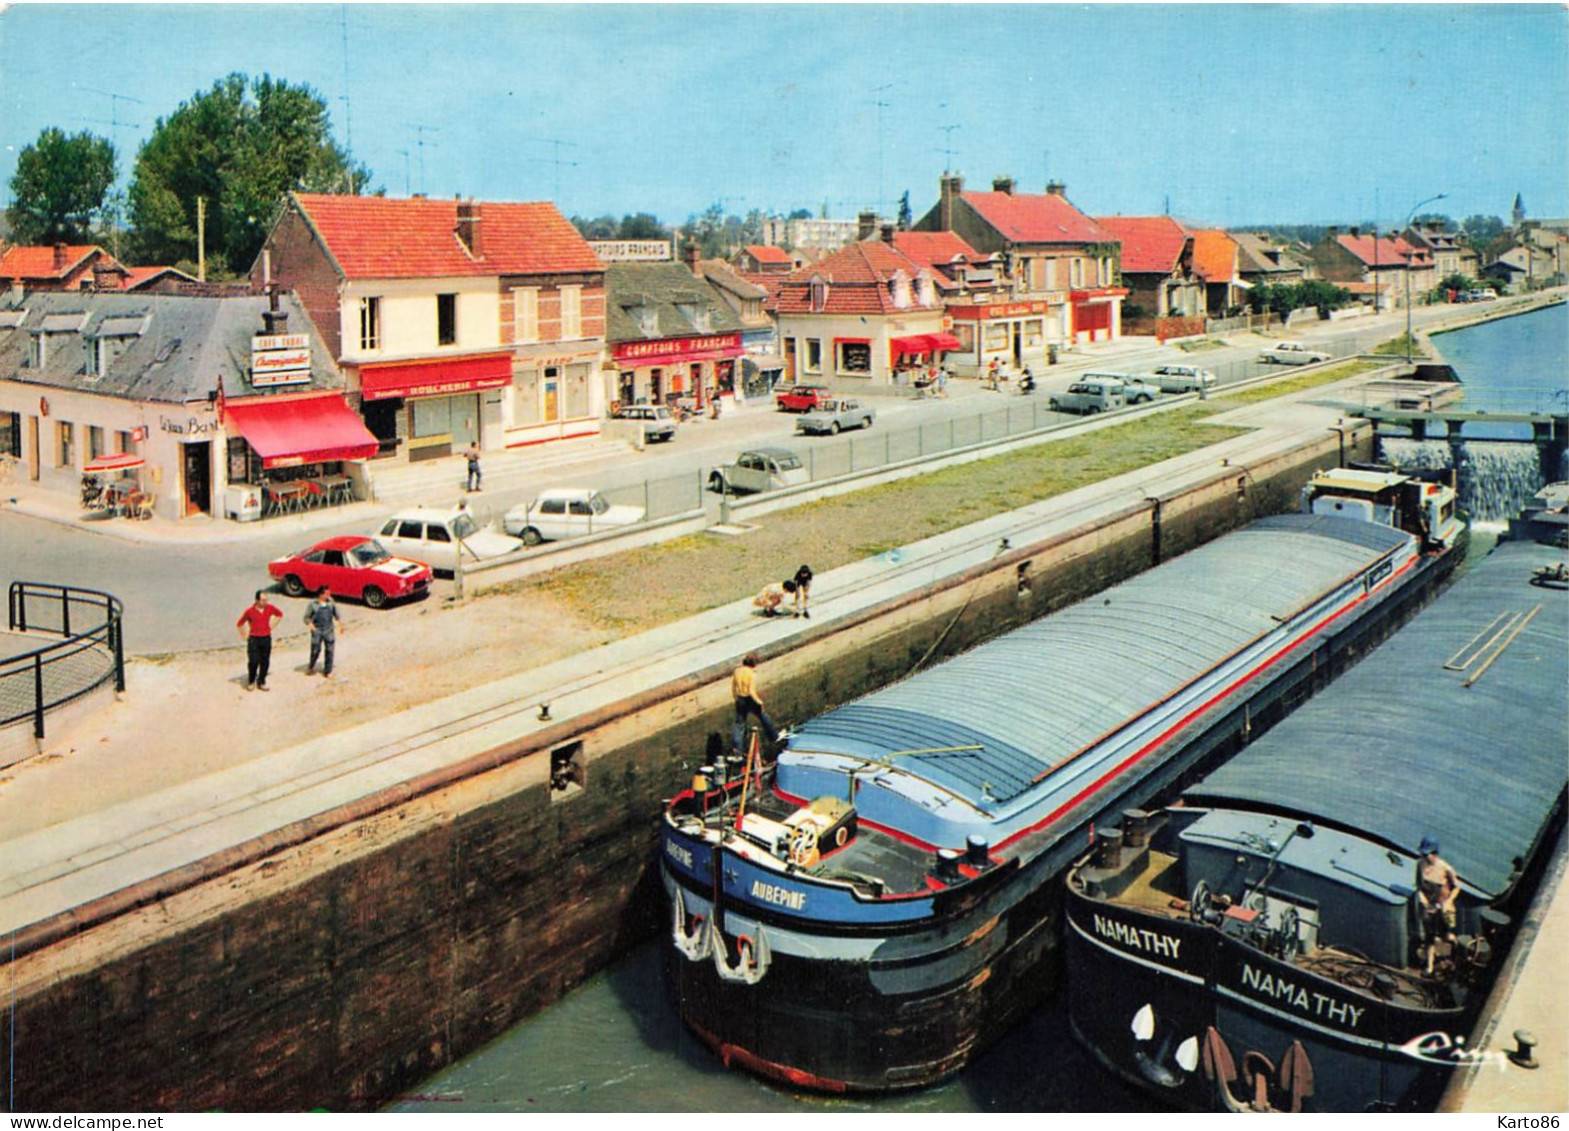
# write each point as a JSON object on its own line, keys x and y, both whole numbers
{"x": 872, "y": 908}
{"x": 1261, "y": 945}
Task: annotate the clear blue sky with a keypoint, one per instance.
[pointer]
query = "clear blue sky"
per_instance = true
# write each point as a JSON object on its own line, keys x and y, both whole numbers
{"x": 1293, "y": 113}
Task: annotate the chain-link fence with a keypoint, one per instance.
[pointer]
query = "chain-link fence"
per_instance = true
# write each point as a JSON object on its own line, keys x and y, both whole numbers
{"x": 90, "y": 653}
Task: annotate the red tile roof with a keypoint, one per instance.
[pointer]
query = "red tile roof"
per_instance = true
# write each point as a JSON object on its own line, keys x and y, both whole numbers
{"x": 1150, "y": 244}
{"x": 140, "y": 276}
{"x": 1214, "y": 256}
{"x": 933, "y": 249}
{"x": 1047, "y": 218}
{"x": 1388, "y": 252}
{"x": 857, "y": 277}
{"x": 374, "y": 237}
{"x": 767, "y": 253}
{"x": 39, "y": 262}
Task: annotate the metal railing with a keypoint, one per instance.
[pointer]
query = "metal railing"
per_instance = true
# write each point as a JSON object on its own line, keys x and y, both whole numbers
{"x": 90, "y": 653}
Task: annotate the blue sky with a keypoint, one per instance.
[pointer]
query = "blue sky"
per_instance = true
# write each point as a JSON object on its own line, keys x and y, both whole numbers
{"x": 1235, "y": 113}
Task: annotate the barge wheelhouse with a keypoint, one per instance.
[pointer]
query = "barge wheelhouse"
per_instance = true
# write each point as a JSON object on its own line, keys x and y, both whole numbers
{"x": 1261, "y": 947}
{"x": 867, "y": 912}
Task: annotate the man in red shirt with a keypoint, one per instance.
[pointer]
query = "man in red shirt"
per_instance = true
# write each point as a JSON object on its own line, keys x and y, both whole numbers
{"x": 255, "y": 625}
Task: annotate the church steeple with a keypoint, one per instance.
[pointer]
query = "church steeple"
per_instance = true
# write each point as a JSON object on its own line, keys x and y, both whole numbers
{"x": 1517, "y": 217}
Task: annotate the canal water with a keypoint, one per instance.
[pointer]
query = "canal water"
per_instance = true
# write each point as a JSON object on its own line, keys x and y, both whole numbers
{"x": 616, "y": 1044}
{"x": 1511, "y": 365}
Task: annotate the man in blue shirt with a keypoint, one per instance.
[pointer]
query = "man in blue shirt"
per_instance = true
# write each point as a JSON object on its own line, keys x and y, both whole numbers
{"x": 322, "y": 616}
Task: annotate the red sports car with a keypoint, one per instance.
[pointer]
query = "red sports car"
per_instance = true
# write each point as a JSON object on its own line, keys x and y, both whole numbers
{"x": 352, "y": 566}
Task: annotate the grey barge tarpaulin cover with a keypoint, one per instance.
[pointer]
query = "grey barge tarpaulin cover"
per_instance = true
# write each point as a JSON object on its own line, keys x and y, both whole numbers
{"x": 1087, "y": 670}
{"x": 1401, "y": 748}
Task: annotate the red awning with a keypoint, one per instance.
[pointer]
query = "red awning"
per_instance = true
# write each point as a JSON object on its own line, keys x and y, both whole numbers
{"x": 287, "y": 432}
{"x": 914, "y": 344}
{"x": 120, "y": 461}
{"x": 448, "y": 377}
{"x": 944, "y": 342}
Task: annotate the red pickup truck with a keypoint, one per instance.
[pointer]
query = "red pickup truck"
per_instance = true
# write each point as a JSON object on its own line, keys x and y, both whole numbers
{"x": 801, "y": 398}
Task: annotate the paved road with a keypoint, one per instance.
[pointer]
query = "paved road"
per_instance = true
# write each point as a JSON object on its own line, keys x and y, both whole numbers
{"x": 181, "y": 596}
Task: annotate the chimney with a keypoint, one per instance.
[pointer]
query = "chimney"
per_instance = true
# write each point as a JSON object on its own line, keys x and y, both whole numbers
{"x": 1356, "y": 232}
{"x": 1003, "y": 185}
{"x": 469, "y": 228}
{"x": 1056, "y": 188}
{"x": 951, "y": 187}
{"x": 104, "y": 277}
{"x": 865, "y": 226}
{"x": 888, "y": 230}
{"x": 274, "y": 320}
{"x": 59, "y": 257}
{"x": 689, "y": 256}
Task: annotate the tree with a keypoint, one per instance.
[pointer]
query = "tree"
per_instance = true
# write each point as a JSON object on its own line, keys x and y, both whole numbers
{"x": 906, "y": 217}
{"x": 59, "y": 187}
{"x": 642, "y": 226}
{"x": 1482, "y": 230}
{"x": 240, "y": 146}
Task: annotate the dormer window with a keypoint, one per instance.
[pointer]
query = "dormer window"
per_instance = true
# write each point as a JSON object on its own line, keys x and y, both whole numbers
{"x": 899, "y": 289}
{"x": 817, "y": 293}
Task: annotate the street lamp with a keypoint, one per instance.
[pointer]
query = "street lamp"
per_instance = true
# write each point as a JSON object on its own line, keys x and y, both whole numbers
{"x": 1410, "y": 255}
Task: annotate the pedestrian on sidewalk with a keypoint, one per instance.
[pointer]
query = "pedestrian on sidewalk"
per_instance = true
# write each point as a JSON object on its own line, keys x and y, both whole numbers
{"x": 472, "y": 455}
{"x": 803, "y": 591}
{"x": 322, "y": 616}
{"x": 743, "y": 687}
{"x": 255, "y": 626}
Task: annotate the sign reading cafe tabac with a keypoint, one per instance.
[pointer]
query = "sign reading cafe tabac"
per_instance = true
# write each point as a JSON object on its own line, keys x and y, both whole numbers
{"x": 280, "y": 359}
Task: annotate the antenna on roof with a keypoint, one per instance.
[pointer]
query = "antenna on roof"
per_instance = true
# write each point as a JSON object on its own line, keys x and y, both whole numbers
{"x": 947, "y": 147}
{"x": 420, "y": 143}
{"x": 556, "y": 143}
{"x": 881, "y": 105}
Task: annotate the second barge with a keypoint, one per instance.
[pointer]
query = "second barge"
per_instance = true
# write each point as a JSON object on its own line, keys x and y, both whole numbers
{"x": 871, "y": 910}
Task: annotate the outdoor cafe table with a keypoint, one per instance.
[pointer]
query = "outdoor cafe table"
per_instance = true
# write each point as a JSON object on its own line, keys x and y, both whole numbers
{"x": 287, "y": 496}
{"x": 330, "y": 488}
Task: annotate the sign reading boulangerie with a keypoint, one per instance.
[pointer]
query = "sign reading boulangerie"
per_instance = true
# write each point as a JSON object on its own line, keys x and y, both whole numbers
{"x": 280, "y": 359}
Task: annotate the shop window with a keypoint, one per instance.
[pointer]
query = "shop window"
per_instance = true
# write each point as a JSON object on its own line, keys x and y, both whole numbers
{"x": 814, "y": 356}
{"x": 855, "y": 357}
{"x": 370, "y": 322}
{"x": 577, "y": 391}
{"x": 525, "y": 396}
{"x": 571, "y": 313}
{"x": 432, "y": 417}
{"x": 525, "y": 315}
{"x": 446, "y": 320}
{"x": 11, "y": 434}
{"x": 996, "y": 336}
{"x": 65, "y": 443}
{"x": 1034, "y": 332}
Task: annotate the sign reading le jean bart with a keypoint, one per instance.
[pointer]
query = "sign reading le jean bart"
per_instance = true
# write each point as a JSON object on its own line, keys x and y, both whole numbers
{"x": 280, "y": 359}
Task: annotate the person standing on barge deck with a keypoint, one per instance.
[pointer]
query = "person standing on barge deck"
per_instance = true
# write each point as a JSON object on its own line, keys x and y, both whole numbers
{"x": 743, "y": 687}
{"x": 1437, "y": 885}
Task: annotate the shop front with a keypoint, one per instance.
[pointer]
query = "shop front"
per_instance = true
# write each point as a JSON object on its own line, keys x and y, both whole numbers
{"x": 912, "y": 355}
{"x": 292, "y": 452}
{"x": 432, "y": 408}
{"x": 1097, "y": 314}
{"x": 555, "y": 393}
{"x": 677, "y": 371}
{"x": 1014, "y": 334}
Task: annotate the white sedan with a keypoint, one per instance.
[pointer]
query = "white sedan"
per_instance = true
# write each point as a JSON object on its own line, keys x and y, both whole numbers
{"x": 568, "y": 512}
{"x": 433, "y": 535}
{"x": 1292, "y": 353}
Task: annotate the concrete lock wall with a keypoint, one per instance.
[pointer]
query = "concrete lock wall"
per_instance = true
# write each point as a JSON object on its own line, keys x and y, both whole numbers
{"x": 375, "y": 946}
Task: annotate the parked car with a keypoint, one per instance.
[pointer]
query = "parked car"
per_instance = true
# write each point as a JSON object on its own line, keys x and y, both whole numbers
{"x": 1089, "y": 395}
{"x": 352, "y": 565}
{"x": 1135, "y": 391}
{"x": 762, "y": 469}
{"x": 801, "y": 398}
{"x": 1181, "y": 378}
{"x": 659, "y": 423}
{"x": 432, "y": 534}
{"x": 1292, "y": 353}
{"x": 567, "y": 512}
{"x": 1486, "y": 294}
{"x": 834, "y": 414}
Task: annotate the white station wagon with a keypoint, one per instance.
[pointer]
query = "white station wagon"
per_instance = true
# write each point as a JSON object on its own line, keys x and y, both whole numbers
{"x": 433, "y": 534}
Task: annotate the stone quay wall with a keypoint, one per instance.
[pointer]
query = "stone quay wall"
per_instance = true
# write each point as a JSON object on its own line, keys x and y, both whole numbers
{"x": 376, "y": 946}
